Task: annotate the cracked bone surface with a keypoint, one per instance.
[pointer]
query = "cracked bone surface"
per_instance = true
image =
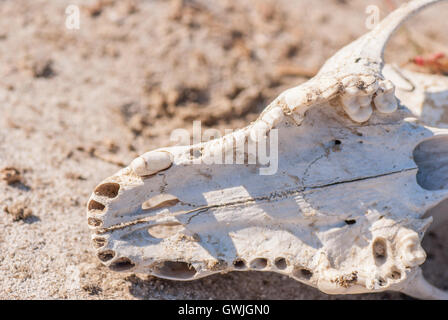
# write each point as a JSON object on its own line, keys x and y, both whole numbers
{"x": 345, "y": 212}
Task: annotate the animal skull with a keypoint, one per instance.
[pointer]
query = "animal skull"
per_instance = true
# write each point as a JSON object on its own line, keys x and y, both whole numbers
{"x": 345, "y": 213}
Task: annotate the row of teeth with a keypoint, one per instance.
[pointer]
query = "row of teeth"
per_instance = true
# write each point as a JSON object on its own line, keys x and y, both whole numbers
{"x": 155, "y": 161}
{"x": 358, "y": 104}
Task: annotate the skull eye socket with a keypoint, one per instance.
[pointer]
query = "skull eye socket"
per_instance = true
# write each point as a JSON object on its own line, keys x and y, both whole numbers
{"x": 431, "y": 157}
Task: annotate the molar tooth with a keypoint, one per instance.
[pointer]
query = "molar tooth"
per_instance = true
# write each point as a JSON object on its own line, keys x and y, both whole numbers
{"x": 350, "y": 104}
{"x": 385, "y": 100}
{"x": 363, "y": 114}
{"x": 412, "y": 252}
{"x": 151, "y": 162}
{"x": 357, "y": 106}
{"x": 365, "y": 101}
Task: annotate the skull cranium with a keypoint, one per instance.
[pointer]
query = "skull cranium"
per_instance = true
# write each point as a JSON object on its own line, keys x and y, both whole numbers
{"x": 345, "y": 213}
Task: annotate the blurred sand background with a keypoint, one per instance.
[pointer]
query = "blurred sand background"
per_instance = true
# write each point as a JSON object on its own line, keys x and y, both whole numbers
{"x": 77, "y": 105}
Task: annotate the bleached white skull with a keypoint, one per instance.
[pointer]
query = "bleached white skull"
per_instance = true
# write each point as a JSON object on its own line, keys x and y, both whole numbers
{"x": 345, "y": 212}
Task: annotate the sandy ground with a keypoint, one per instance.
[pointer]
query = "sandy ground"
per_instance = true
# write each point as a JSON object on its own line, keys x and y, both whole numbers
{"x": 76, "y": 105}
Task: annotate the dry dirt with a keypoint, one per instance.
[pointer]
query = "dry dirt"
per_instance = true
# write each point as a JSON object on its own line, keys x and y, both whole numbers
{"x": 76, "y": 105}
